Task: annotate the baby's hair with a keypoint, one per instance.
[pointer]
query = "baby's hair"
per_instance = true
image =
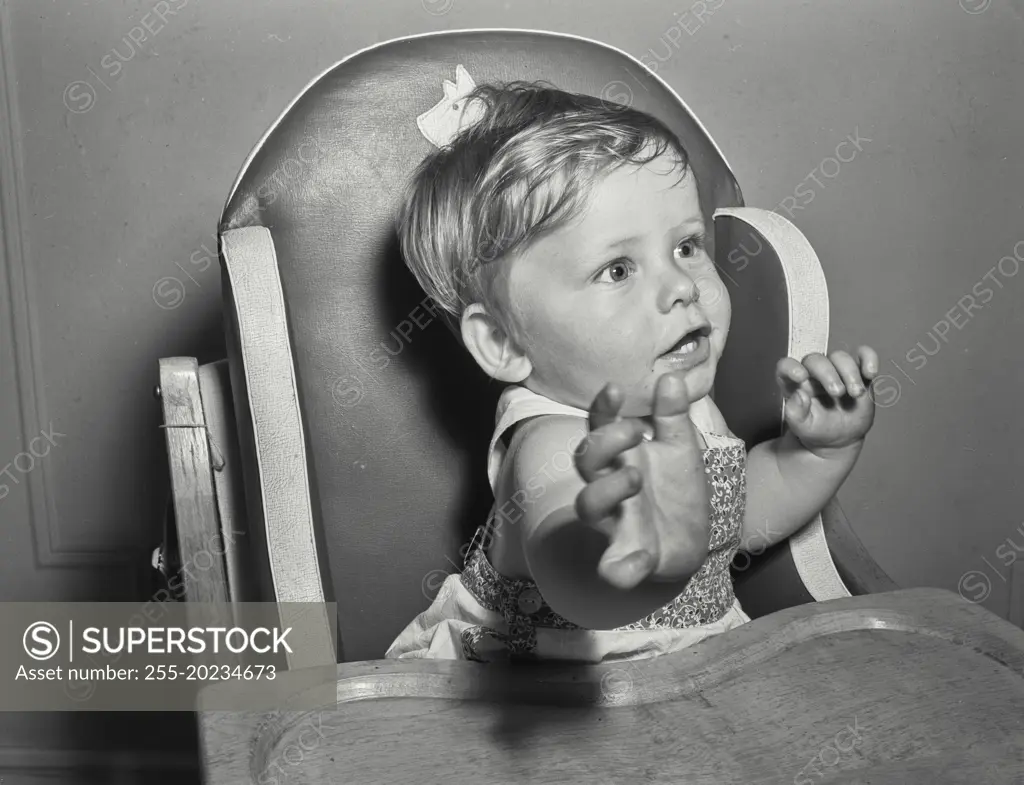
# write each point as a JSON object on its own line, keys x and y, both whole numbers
{"x": 523, "y": 169}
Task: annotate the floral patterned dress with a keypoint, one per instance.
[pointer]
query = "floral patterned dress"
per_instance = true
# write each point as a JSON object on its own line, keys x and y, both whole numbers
{"x": 479, "y": 614}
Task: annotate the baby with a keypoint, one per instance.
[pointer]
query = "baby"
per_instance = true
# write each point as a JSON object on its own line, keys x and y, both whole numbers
{"x": 564, "y": 237}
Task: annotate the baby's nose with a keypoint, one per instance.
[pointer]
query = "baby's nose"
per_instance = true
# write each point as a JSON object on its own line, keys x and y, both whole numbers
{"x": 679, "y": 287}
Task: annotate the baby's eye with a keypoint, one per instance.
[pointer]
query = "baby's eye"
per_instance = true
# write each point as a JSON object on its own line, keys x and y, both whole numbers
{"x": 690, "y": 247}
{"x": 616, "y": 272}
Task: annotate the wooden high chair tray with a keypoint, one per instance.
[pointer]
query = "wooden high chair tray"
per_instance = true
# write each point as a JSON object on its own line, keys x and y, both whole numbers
{"x": 904, "y": 687}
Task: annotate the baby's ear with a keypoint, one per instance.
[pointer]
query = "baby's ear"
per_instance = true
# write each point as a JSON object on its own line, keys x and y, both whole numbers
{"x": 494, "y": 350}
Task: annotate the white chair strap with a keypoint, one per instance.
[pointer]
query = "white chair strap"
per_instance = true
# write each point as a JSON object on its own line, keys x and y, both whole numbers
{"x": 808, "y": 332}
{"x": 280, "y": 442}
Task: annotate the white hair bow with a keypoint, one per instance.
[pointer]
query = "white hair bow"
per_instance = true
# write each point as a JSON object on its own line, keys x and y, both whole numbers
{"x": 451, "y": 114}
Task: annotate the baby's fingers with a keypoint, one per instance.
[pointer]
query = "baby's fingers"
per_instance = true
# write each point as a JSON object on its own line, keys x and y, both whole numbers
{"x": 597, "y": 502}
{"x": 790, "y": 374}
{"x": 824, "y": 372}
{"x": 604, "y": 409}
{"x": 868, "y": 362}
{"x": 671, "y": 403}
{"x": 797, "y": 408}
{"x": 601, "y": 449}
{"x": 627, "y": 572}
{"x": 848, "y": 372}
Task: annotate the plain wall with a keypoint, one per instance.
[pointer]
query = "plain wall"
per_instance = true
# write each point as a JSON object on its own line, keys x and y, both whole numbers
{"x": 111, "y": 185}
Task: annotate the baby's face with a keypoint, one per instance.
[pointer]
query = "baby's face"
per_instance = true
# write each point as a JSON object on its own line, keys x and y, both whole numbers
{"x": 610, "y": 296}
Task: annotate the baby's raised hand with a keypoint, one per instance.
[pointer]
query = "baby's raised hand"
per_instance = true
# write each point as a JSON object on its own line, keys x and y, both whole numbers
{"x": 649, "y": 497}
{"x": 828, "y": 404}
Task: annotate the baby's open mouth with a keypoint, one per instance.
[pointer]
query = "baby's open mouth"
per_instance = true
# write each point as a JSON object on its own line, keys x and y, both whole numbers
{"x": 690, "y": 342}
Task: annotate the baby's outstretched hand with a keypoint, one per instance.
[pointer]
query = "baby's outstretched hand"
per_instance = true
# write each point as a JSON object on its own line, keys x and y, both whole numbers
{"x": 649, "y": 497}
{"x": 828, "y": 399}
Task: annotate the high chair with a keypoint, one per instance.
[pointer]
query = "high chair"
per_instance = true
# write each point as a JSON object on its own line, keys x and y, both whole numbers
{"x": 333, "y": 459}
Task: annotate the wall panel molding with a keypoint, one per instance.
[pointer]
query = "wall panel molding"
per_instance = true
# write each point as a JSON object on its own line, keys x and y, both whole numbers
{"x": 33, "y": 413}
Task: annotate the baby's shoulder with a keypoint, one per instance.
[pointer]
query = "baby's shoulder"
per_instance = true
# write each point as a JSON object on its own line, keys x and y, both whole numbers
{"x": 546, "y": 443}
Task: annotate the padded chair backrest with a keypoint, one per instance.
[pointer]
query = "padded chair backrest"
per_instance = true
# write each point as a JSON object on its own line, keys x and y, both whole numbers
{"x": 396, "y": 416}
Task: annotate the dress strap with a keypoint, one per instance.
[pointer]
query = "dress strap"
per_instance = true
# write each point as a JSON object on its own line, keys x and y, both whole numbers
{"x": 517, "y": 403}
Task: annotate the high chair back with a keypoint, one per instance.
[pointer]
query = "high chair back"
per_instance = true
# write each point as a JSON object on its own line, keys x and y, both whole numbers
{"x": 363, "y": 425}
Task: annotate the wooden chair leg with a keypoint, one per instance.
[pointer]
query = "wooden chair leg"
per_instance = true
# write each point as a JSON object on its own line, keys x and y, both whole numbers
{"x": 201, "y": 548}
{"x": 228, "y": 481}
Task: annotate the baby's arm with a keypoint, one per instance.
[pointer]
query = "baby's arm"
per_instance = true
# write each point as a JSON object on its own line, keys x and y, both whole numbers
{"x": 621, "y": 497}
{"x": 828, "y": 413}
{"x": 787, "y": 485}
